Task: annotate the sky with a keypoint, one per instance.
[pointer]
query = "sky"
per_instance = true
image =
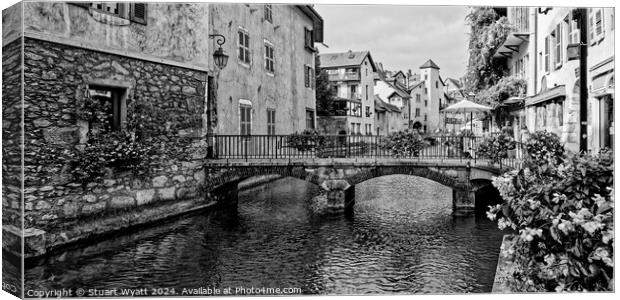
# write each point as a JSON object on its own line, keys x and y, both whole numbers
{"x": 400, "y": 37}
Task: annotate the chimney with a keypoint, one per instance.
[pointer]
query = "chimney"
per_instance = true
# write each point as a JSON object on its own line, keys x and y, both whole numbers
{"x": 351, "y": 55}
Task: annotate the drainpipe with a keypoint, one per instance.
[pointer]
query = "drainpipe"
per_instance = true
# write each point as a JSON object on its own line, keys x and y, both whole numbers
{"x": 583, "y": 80}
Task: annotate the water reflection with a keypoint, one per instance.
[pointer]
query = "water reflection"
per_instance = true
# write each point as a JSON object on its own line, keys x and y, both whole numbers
{"x": 401, "y": 239}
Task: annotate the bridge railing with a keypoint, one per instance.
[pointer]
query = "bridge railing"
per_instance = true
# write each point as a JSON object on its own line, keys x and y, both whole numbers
{"x": 347, "y": 146}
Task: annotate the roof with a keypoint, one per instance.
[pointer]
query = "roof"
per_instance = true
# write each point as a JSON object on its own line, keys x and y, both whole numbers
{"x": 429, "y": 64}
{"x": 317, "y": 21}
{"x": 345, "y": 59}
{"x": 381, "y": 105}
{"x": 454, "y": 81}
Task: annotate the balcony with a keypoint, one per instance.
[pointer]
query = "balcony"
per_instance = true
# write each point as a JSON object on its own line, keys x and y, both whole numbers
{"x": 348, "y": 76}
{"x": 518, "y": 17}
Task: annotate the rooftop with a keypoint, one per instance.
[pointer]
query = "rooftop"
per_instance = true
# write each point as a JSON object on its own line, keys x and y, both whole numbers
{"x": 344, "y": 59}
{"x": 429, "y": 64}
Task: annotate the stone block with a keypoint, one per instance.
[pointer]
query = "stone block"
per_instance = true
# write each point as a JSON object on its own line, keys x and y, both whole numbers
{"x": 122, "y": 202}
{"x": 187, "y": 192}
{"x": 61, "y": 136}
{"x": 89, "y": 209}
{"x": 41, "y": 123}
{"x": 199, "y": 176}
{"x": 178, "y": 178}
{"x": 145, "y": 196}
{"x": 43, "y": 205}
{"x": 160, "y": 181}
{"x": 166, "y": 193}
{"x": 89, "y": 198}
{"x": 70, "y": 209}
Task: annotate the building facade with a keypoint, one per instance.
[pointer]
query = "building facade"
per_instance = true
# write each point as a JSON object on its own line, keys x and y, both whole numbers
{"x": 268, "y": 85}
{"x": 93, "y": 73}
{"x": 352, "y": 75}
{"x": 537, "y": 50}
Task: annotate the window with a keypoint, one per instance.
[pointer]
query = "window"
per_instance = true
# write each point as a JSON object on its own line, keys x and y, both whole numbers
{"x": 135, "y": 12}
{"x": 111, "y": 100}
{"x": 367, "y": 111}
{"x": 425, "y": 90}
{"x": 366, "y": 71}
{"x": 436, "y": 84}
{"x": 417, "y": 98}
{"x": 573, "y": 30}
{"x": 425, "y": 76}
{"x": 425, "y": 117}
{"x": 596, "y": 25}
{"x": 269, "y": 58}
{"x": 425, "y": 103}
{"x": 417, "y": 112}
{"x": 558, "y": 45}
{"x": 353, "y": 91}
{"x": 547, "y": 54}
{"x": 271, "y": 121}
{"x": 244, "y": 47}
{"x": 366, "y": 92}
{"x": 308, "y": 76}
{"x": 309, "y": 119}
{"x": 560, "y": 106}
{"x": 245, "y": 119}
{"x": 268, "y": 13}
{"x": 309, "y": 39}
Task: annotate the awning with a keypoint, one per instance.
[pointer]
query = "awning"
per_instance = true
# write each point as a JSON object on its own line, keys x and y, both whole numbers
{"x": 546, "y": 95}
{"x": 603, "y": 85}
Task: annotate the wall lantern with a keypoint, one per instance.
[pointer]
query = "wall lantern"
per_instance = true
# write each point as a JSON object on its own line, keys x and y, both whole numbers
{"x": 219, "y": 56}
{"x": 573, "y": 51}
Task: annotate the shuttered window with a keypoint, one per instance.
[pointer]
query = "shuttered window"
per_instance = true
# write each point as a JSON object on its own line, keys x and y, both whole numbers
{"x": 309, "y": 39}
{"x": 547, "y": 54}
{"x": 596, "y": 30}
{"x": 244, "y": 47}
{"x": 138, "y": 13}
{"x": 245, "y": 119}
{"x": 271, "y": 121}
{"x": 268, "y": 13}
{"x": 269, "y": 58}
{"x": 558, "y": 45}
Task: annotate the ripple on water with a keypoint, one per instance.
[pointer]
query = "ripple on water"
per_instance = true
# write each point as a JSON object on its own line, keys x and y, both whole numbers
{"x": 402, "y": 238}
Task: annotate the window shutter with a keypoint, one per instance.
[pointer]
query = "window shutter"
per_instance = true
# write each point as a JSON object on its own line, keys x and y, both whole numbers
{"x": 138, "y": 13}
{"x": 591, "y": 28}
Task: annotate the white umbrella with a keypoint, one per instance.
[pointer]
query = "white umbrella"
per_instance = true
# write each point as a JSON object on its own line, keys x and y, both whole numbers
{"x": 465, "y": 106}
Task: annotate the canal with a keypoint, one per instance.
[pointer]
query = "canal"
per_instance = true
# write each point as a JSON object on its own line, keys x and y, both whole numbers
{"x": 402, "y": 238}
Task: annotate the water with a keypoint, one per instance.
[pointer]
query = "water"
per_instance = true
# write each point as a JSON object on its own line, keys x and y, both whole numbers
{"x": 401, "y": 239}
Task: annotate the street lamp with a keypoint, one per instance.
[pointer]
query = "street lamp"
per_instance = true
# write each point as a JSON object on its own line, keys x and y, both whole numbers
{"x": 219, "y": 56}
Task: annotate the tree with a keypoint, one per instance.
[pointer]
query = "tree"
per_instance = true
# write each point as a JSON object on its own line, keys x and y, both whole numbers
{"x": 324, "y": 96}
{"x": 488, "y": 32}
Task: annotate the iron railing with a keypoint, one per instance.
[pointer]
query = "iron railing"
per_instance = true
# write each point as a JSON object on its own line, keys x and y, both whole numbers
{"x": 249, "y": 147}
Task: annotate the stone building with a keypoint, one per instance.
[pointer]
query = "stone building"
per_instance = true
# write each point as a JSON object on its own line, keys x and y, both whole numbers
{"x": 352, "y": 76}
{"x": 268, "y": 85}
{"x": 96, "y": 74}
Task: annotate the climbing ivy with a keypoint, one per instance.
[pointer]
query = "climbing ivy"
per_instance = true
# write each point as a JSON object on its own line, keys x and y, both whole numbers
{"x": 488, "y": 32}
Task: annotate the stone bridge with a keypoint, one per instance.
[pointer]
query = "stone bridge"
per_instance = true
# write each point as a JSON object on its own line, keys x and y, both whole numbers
{"x": 338, "y": 177}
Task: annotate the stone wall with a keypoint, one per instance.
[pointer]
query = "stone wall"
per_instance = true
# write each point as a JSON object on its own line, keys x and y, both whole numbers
{"x": 11, "y": 134}
{"x": 55, "y": 203}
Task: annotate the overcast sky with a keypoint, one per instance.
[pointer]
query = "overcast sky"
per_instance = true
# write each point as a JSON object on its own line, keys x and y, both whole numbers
{"x": 400, "y": 37}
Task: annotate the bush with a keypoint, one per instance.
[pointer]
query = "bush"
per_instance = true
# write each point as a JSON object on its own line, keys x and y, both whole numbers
{"x": 118, "y": 150}
{"x": 543, "y": 147}
{"x": 403, "y": 143}
{"x": 564, "y": 215}
{"x": 307, "y": 140}
{"x": 496, "y": 147}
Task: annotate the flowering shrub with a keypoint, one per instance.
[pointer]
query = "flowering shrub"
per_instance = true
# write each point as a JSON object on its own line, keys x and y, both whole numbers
{"x": 404, "y": 143}
{"x": 307, "y": 140}
{"x": 496, "y": 147}
{"x": 544, "y": 147}
{"x": 564, "y": 215}
{"x": 118, "y": 149}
